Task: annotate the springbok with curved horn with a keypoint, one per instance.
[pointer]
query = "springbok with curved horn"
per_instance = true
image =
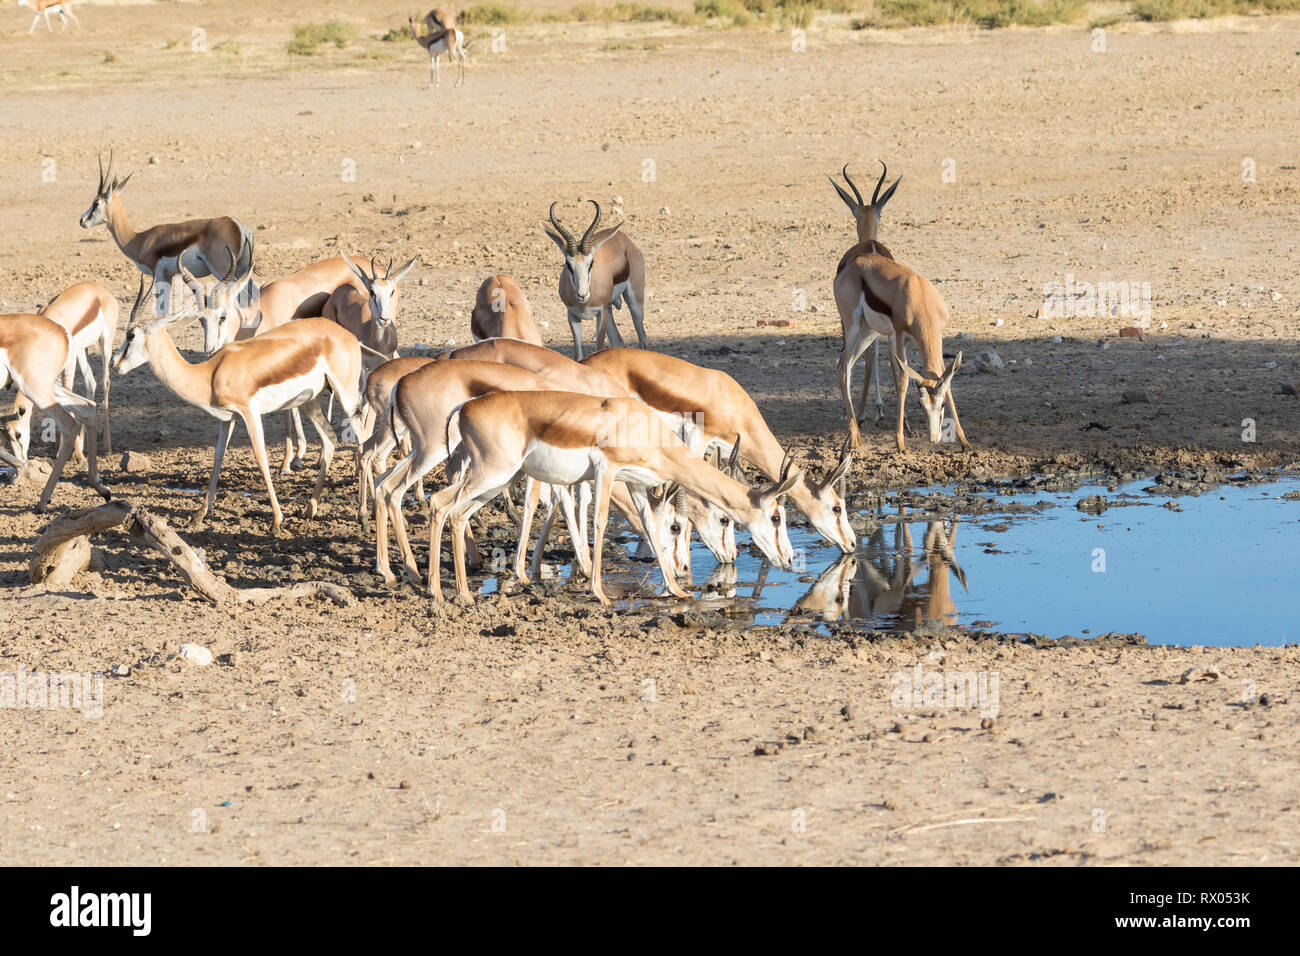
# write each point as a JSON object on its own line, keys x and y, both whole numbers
{"x": 370, "y": 313}
{"x": 206, "y": 247}
{"x": 880, "y": 297}
{"x": 501, "y": 311}
{"x": 443, "y": 39}
{"x": 33, "y": 353}
{"x": 285, "y": 368}
{"x": 601, "y": 270}
{"x": 562, "y": 438}
{"x": 88, "y": 312}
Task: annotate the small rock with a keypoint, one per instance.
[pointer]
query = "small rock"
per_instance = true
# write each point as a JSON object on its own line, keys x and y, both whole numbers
{"x": 1093, "y": 504}
{"x": 999, "y": 322}
{"x": 1200, "y": 675}
{"x": 1135, "y": 396}
{"x": 120, "y": 670}
{"x": 665, "y": 211}
{"x": 195, "y": 654}
{"x": 1290, "y": 388}
{"x": 988, "y": 361}
{"x": 1130, "y": 332}
{"x": 987, "y": 724}
{"x": 1056, "y": 340}
{"x": 777, "y": 323}
{"x": 134, "y": 462}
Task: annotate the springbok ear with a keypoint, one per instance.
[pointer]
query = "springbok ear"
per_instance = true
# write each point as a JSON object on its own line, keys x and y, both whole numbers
{"x": 841, "y": 469}
{"x": 848, "y": 200}
{"x": 880, "y": 203}
{"x": 555, "y": 237}
{"x": 397, "y": 276}
{"x": 952, "y": 370}
{"x": 356, "y": 270}
{"x": 602, "y": 237}
{"x": 782, "y": 487}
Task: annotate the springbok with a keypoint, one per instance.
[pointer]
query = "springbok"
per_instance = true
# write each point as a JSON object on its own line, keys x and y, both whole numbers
{"x": 501, "y": 311}
{"x": 370, "y": 312}
{"x": 439, "y": 40}
{"x": 33, "y": 353}
{"x": 713, "y": 526}
{"x": 206, "y": 247}
{"x": 287, "y": 367}
{"x": 713, "y": 410}
{"x": 88, "y": 312}
{"x": 561, "y": 438}
{"x": 43, "y": 8}
{"x": 601, "y": 270}
{"x": 880, "y": 297}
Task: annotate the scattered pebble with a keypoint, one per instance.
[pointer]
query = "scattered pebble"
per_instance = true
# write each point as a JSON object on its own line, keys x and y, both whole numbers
{"x": 195, "y": 654}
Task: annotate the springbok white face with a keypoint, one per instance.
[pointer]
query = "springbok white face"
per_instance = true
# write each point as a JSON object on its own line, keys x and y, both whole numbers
{"x": 714, "y": 526}
{"x": 933, "y": 395}
{"x": 672, "y": 529}
{"x": 825, "y": 503}
{"x": 768, "y": 529}
{"x": 579, "y": 254}
{"x": 97, "y": 214}
{"x": 18, "y": 428}
{"x": 866, "y": 214}
{"x": 384, "y": 297}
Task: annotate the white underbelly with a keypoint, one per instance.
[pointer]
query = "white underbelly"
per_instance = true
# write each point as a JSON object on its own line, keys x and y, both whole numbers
{"x": 558, "y": 466}
{"x": 290, "y": 393}
{"x": 879, "y": 323}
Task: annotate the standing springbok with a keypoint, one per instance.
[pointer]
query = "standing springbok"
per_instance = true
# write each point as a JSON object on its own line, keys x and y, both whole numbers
{"x": 561, "y": 438}
{"x": 439, "y": 40}
{"x": 43, "y": 8}
{"x": 33, "y": 353}
{"x": 88, "y": 312}
{"x": 501, "y": 311}
{"x": 370, "y": 313}
{"x": 601, "y": 269}
{"x": 206, "y": 247}
{"x": 866, "y": 218}
{"x": 880, "y": 297}
{"x": 287, "y": 367}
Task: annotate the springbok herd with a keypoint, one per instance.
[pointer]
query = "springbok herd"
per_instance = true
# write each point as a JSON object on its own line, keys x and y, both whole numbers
{"x": 660, "y": 437}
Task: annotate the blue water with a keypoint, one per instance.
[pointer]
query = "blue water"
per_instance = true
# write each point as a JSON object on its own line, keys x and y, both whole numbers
{"x": 1219, "y": 572}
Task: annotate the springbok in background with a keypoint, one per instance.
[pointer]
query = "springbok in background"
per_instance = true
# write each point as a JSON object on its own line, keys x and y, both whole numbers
{"x": 33, "y": 354}
{"x": 439, "y": 40}
{"x": 206, "y": 247}
{"x": 880, "y": 297}
{"x": 43, "y": 8}
{"x": 601, "y": 270}
{"x": 501, "y": 311}
{"x": 88, "y": 312}
{"x": 370, "y": 312}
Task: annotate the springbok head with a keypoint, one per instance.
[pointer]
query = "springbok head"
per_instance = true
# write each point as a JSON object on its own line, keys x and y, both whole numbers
{"x": 767, "y": 526}
{"x": 384, "y": 297}
{"x": 108, "y": 187}
{"x": 223, "y": 305}
{"x": 18, "y": 427}
{"x": 579, "y": 253}
{"x": 826, "y": 506}
{"x": 866, "y": 214}
{"x": 933, "y": 391}
{"x": 134, "y": 352}
{"x": 672, "y": 527}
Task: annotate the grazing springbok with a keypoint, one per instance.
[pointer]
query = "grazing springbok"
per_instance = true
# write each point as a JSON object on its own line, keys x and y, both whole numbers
{"x": 439, "y": 40}
{"x": 601, "y": 270}
{"x": 878, "y": 296}
{"x": 43, "y": 8}
{"x": 287, "y": 367}
{"x": 501, "y": 311}
{"x": 712, "y": 409}
{"x": 33, "y": 354}
{"x": 88, "y": 312}
{"x": 206, "y": 247}
{"x": 370, "y": 312}
{"x": 561, "y": 438}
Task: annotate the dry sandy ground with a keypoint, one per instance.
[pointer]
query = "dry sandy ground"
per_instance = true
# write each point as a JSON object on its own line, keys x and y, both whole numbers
{"x": 521, "y": 730}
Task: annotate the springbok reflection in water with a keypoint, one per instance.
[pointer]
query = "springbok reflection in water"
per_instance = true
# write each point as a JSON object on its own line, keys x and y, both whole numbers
{"x": 879, "y": 585}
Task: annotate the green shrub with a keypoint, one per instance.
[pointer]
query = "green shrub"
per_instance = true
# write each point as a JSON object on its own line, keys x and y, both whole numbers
{"x": 307, "y": 37}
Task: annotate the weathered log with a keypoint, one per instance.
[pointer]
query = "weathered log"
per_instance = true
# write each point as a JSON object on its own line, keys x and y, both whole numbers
{"x": 63, "y": 550}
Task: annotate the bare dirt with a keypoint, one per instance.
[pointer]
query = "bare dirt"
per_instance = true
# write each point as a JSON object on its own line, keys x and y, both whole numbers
{"x": 524, "y": 729}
